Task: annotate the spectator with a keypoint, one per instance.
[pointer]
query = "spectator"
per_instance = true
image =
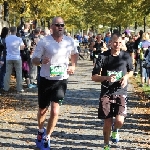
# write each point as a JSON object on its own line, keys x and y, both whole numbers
{"x": 97, "y": 48}
{"x": 91, "y": 42}
{"x": 4, "y": 34}
{"x": 130, "y": 48}
{"x": 142, "y": 48}
{"x": 25, "y": 54}
{"x": 33, "y": 68}
{"x": 13, "y": 44}
{"x": 138, "y": 39}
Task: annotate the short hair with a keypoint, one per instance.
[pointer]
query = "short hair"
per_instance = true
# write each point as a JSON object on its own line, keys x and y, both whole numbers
{"x": 18, "y": 34}
{"x": 55, "y": 18}
{"x": 99, "y": 34}
{"x": 13, "y": 29}
{"x": 115, "y": 31}
{"x": 4, "y": 32}
{"x": 141, "y": 33}
{"x": 37, "y": 30}
{"x": 117, "y": 34}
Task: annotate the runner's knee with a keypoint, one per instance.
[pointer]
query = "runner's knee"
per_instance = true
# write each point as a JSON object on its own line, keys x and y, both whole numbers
{"x": 119, "y": 120}
{"x": 55, "y": 109}
{"x": 54, "y": 112}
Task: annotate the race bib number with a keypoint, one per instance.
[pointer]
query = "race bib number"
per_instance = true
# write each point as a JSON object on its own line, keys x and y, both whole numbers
{"x": 57, "y": 71}
{"x": 117, "y": 73}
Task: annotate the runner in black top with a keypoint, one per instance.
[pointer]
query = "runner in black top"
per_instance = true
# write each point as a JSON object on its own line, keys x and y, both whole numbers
{"x": 97, "y": 48}
{"x": 112, "y": 69}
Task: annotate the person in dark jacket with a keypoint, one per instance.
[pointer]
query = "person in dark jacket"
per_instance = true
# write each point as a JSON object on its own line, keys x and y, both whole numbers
{"x": 137, "y": 55}
{"x": 4, "y": 33}
{"x": 130, "y": 48}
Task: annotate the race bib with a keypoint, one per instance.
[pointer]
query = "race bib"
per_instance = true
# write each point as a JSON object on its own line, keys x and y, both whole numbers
{"x": 57, "y": 70}
{"x": 96, "y": 56}
{"x": 117, "y": 73}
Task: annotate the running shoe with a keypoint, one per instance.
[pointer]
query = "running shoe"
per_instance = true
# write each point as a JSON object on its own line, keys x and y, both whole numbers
{"x": 45, "y": 144}
{"x": 30, "y": 86}
{"x": 115, "y": 137}
{"x": 39, "y": 138}
{"x": 106, "y": 147}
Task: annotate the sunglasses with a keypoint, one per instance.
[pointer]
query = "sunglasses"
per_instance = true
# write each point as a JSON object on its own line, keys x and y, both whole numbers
{"x": 59, "y": 24}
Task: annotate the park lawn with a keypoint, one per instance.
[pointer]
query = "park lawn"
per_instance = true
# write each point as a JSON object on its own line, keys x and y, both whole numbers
{"x": 143, "y": 108}
{"x": 145, "y": 89}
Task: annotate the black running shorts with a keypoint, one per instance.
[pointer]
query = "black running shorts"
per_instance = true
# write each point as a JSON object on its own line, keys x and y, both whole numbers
{"x": 51, "y": 90}
{"x": 112, "y": 105}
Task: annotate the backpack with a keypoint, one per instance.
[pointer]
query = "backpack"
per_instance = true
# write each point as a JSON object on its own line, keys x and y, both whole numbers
{"x": 26, "y": 40}
{"x": 34, "y": 41}
{"x": 25, "y": 54}
{"x": 33, "y": 44}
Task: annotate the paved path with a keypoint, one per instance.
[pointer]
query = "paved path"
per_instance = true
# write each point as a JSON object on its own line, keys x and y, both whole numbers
{"x": 78, "y": 127}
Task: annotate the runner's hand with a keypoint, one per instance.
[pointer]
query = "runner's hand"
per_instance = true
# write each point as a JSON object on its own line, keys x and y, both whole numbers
{"x": 45, "y": 60}
{"x": 112, "y": 78}
{"x": 71, "y": 69}
{"x": 124, "y": 81}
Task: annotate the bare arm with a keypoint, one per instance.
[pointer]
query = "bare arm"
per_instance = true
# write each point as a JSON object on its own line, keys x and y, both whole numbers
{"x": 94, "y": 49}
{"x": 36, "y": 61}
{"x": 74, "y": 59}
{"x": 129, "y": 74}
{"x": 132, "y": 56}
{"x": 124, "y": 80}
{"x": 99, "y": 78}
{"x": 91, "y": 45}
{"x": 138, "y": 51}
{"x": 22, "y": 47}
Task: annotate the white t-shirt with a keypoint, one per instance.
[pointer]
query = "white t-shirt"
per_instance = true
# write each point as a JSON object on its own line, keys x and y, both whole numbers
{"x": 76, "y": 42}
{"x": 58, "y": 54}
{"x": 13, "y": 44}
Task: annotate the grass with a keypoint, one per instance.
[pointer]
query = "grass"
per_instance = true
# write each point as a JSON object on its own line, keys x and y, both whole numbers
{"x": 143, "y": 107}
{"x": 145, "y": 89}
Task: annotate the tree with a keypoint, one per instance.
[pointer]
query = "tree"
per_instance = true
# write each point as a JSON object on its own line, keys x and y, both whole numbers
{"x": 84, "y": 14}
